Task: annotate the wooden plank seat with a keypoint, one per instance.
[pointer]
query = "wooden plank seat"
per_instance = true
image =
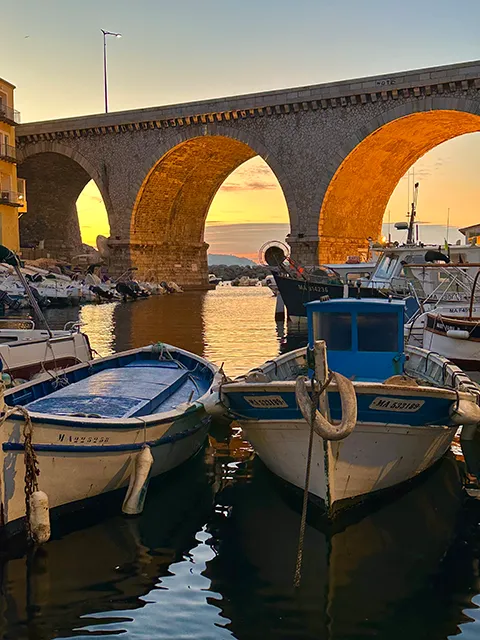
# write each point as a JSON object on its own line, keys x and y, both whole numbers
{"x": 137, "y": 389}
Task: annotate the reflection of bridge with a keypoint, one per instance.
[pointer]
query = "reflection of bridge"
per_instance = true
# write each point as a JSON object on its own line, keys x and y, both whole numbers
{"x": 338, "y": 151}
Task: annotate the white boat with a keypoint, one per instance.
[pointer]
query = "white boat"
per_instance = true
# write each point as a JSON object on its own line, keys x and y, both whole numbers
{"x": 26, "y": 351}
{"x": 101, "y": 425}
{"x": 388, "y": 415}
{"x": 451, "y": 330}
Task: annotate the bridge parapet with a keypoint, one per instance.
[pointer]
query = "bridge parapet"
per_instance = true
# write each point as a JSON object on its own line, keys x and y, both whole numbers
{"x": 333, "y": 95}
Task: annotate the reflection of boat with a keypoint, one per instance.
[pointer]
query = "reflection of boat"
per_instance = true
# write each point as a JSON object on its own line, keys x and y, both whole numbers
{"x": 109, "y": 564}
{"x": 383, "y": 421}
{"x": 374, "y": 577}
{"x": 103, "y": 422}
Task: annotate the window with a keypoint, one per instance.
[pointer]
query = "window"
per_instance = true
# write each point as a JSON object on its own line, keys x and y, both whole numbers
{"x": 335, "y": 329}
{"x": 377, "y": 332}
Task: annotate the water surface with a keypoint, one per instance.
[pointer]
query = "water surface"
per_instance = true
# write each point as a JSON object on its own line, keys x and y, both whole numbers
{"x": 213, "y": 554}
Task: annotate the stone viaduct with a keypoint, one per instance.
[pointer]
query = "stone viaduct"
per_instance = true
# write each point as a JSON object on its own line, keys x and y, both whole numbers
{"x": 337, "y": 149}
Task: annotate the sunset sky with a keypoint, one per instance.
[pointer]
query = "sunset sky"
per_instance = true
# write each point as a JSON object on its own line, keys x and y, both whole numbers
{"x": 174, "y": 52}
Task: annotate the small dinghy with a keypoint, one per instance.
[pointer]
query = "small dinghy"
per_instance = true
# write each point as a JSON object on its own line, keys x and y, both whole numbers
{"x": 102, "y": 425}
{"x": 381, "y": 416}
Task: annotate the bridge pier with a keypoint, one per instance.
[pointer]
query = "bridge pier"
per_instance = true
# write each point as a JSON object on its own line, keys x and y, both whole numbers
{"x": 304, "y": 249}
{"x": 54, "y": 183}
{"x": 185, "y": 264}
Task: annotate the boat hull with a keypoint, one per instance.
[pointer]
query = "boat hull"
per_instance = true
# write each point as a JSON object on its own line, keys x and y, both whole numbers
{"x": 373, "y": 458}
{"x": 399, "y": 433}
{"x": 89, "y": 427}
{"x": 91, "y": 462}
{"x": 296, "y": 292}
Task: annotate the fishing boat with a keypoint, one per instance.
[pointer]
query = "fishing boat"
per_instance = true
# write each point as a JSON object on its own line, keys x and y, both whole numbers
{"x": 382, "y": 416}
{"x": 98, "y": 427}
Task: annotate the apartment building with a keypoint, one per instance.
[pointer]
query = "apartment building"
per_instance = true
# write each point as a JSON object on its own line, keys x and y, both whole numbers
{"x": 12, "y": 189}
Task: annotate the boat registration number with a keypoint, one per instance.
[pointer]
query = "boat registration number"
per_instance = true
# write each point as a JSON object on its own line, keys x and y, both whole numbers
{"x": 381, "y": 403}
{"x": 266, "y": 402}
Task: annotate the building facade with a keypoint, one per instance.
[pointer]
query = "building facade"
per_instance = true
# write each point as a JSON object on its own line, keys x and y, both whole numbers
{"x": 12, "y": 189}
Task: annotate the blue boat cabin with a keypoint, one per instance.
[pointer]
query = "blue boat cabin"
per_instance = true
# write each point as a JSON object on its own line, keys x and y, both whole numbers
{"x": 364, "y": 337}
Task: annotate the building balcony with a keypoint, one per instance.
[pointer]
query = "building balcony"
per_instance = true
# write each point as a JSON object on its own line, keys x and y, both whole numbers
{"x": 12, "y": 198}
{"x": 9, "y": 115}
{"x": 8, "y": 153}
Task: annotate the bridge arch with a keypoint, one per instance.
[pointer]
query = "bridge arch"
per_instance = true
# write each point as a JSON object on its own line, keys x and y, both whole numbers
{"x": 55, "y": 176}
{"x": 357, "y": 184}
{"x": 179, "y": 183}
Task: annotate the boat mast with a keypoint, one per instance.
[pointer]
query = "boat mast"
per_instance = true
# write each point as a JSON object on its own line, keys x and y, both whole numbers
{"x": 411, "y": 216}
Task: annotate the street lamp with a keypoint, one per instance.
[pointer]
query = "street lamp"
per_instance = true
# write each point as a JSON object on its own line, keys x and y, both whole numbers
{"x": 105, "y": 34}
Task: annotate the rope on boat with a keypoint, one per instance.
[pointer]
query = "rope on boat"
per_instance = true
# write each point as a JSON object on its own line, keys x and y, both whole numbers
{"x": 322, "y": 426}
{"x": 316, "y": 393}
{"x": 37, "y": 521}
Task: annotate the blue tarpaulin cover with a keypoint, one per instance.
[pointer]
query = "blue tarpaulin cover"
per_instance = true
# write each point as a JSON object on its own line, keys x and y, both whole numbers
{"x": 136, "y": 389}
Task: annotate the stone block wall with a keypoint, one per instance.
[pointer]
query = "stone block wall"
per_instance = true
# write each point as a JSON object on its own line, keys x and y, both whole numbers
{"x": 184, "y": 264}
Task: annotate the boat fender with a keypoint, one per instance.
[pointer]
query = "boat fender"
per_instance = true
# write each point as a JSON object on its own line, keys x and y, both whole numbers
{"x": 321, "y": 425}
{"x": 137, "y": 488}
{"x": 39, "y": 517}
{"x": 458, "y": 334}
{"x": 213, "y": 405}
{"x": 465, "y": 412}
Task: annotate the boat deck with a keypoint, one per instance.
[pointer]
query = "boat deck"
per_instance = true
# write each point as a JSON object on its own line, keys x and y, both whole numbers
{"x": 140, "y": 388}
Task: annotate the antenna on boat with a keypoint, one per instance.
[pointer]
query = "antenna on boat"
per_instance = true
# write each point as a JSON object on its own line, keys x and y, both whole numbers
{"x": 411, "y": 215}
{"x": 7, "y": 256}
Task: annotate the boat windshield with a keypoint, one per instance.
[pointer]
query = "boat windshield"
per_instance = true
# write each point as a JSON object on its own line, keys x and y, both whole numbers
{"x": 386, "y": 267}
{"x": 335, "y": 329}
{"x": 377, "y": 332}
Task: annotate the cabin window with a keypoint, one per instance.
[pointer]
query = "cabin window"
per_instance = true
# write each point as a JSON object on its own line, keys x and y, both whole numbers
{"x": 377, "y": 332}
{"x": 335, "y": 329}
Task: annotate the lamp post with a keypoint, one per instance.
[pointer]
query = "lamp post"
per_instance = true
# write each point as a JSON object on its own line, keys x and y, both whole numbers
{"x": 105, "y": 84}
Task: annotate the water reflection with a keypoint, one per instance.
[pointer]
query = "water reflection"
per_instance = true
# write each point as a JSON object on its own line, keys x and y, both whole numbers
{"x": 381, "y": 576}
{"x": 213, "y": 554}
{"x": 234, "y": 325}
{"x": 101, "y": 568}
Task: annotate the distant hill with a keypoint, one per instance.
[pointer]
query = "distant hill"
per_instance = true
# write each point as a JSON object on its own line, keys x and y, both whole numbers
{"x": 221, "y": 258}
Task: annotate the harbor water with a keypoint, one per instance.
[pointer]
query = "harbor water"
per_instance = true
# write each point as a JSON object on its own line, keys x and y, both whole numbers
{"x": 213, "y": 554}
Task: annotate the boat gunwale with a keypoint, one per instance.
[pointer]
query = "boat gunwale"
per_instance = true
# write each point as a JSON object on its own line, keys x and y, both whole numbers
{"x": 364, "y": 388}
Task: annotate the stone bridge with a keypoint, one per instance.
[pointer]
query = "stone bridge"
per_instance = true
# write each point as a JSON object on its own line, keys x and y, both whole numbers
{"x": 337, "y": 149}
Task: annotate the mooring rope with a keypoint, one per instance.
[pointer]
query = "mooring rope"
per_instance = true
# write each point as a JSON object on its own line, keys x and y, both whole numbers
{"x": 303, "y": 522}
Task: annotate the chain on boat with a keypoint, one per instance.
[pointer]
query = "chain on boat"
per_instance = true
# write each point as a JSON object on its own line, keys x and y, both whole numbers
{"x": 37, "y": 522}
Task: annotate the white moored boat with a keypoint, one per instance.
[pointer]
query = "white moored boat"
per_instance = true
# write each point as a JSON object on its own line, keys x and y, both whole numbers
{"x": 388, "y": 415}
{"x": 102, "y": 425}
{"x": 26, "y": 351}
